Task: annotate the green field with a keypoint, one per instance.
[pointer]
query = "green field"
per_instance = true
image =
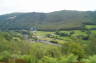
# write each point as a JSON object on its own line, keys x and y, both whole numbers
{"x": 90, "y": 26}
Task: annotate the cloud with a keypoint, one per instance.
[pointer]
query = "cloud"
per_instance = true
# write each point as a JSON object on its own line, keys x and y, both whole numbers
{"x": 7, "y": 6}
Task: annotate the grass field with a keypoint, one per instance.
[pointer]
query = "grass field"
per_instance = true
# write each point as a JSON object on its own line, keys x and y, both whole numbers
{"x": 90, "y": 26}
{"x": 43, "y": 33}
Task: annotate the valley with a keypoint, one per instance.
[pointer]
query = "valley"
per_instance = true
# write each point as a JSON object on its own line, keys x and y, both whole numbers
{"x": 64, "y": 36}
{"x": 27, "y": 46}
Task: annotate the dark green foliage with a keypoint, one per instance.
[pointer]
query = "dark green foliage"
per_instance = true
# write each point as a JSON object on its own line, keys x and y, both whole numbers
{"x": 64, "y": 34}
{"x": 54, "y": 41}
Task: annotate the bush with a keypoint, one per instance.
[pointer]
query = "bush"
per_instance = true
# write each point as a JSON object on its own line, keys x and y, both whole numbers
{"x": 48, "y": 60}
{"x": 54, "y": 41}
{"x": 91, "y": 59}
{"x": 69, "y": 59}
{"x": 4, "y": 56}
{"x": 74, "y": 47}
{"x": 66, "y": 59}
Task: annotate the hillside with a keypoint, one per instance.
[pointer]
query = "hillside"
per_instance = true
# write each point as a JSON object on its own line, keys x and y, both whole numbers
{"x": 65, "y": 19}
{"x": 63, "y": 46}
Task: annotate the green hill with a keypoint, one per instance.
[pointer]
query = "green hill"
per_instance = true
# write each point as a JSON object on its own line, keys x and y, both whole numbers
{"x": 65, "y": 19}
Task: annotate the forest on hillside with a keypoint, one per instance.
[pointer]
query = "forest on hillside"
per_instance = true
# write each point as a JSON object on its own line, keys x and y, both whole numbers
{"x": 58, "y": 20}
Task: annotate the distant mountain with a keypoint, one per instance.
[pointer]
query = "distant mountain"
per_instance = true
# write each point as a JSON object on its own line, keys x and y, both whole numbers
{"x": 65, "y": 19}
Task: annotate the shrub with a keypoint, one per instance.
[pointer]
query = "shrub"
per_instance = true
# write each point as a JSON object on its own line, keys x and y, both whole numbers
{"x": 66, "y": 59}
{"x": 54, "y": 41}
{"x": 48, "y": 60}
{"x": 91, "y": 59}
{"x": 4, "y": 56}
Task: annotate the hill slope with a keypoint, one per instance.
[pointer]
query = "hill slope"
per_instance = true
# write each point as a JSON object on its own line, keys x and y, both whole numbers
{"x": 65, "y": 19}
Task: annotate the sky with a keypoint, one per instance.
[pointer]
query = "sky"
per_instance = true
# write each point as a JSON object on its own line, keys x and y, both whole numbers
{"x": 10, "y": 6}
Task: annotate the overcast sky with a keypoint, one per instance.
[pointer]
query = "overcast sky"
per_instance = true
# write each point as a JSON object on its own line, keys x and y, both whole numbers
{"x": 9, "y": 6}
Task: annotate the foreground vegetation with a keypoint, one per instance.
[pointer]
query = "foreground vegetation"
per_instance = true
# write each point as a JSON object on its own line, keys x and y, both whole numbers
{"x": 72, "y": 46}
